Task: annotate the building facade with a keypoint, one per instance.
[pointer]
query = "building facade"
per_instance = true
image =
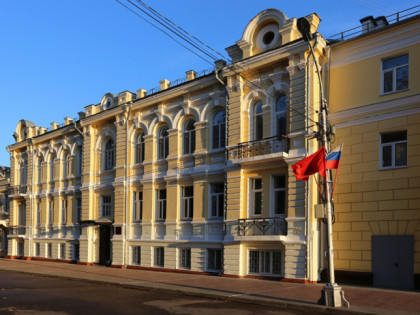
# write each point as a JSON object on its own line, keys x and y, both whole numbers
{"x": 195, "y": 176}
{"x": 4, "y": 207}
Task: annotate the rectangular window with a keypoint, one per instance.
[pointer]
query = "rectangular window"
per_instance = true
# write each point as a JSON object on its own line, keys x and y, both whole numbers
{"x": 137, "y": 206}
{"x": 159, "y": 259}
{"x": 49, "y": 250}
{"x": 106, "y": 206}
{"x": 78, "y": 210}
{"x": 20, "y": 249}
{"x": 279, "y": 194}
{"x": 37, "y": 250}
{"x": 63, "y": 211}
{"x": 135, "y": 255}
{"x": 188, "y": 202}
{"x": 264, "y": 262}
{"x": 76, "y": 251}
{"x": 217, "y": 198}
{"x": 185, "y": 258}
{"x": 393, "y": 149}
{"x": 22, "y": 214}
{"x": 395, "y": 74}
{"x": 38, "y": 213}
{"x": 63, "y": 251}
{"x": 161, "y": 215}
{"x": 50, "y": 212}
{"x": 214, "y": 259}
{"x": 256, "y": 196}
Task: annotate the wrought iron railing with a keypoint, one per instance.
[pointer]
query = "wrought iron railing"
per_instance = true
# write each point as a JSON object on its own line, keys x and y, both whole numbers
{"x": 259, "y": 147}
{"x": 262, "y": 226}
{"x": 20, "y": 189}
{"x": 4, "y": 215}
{"x": 16, "y": 230}
{"x": 362, "y": 29}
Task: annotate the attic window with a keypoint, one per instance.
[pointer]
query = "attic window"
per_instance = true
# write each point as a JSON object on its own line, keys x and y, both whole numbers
{"x": 268, "y": 36}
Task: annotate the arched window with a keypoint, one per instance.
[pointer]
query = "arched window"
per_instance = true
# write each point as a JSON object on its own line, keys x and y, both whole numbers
{"x": 39, "y": 170}
{"x": 66, "y": 164}
{"x": 109, "y": 155}
{"x": 258, "y": 121}
{"x": 219, "y": 130}
{"x": 140, "y": 148}
{"x": 189, "y": 137}
{"x": 280, "y": 115}
{"x": 79, "y": 160}
{"x": 52, "y": 168}
{"x": 163, "y": 146}
{"x": 22, "y": 172}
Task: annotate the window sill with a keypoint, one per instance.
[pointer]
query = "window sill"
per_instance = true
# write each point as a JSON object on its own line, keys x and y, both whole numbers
{"x": 392, "y": 167}
{"x": 393, "y": 92}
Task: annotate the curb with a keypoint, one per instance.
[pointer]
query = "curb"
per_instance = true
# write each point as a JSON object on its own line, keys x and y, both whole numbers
{"x": 208, "y": 293}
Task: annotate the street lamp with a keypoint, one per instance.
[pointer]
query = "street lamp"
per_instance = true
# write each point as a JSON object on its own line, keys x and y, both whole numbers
{"x": 332, "y": 295}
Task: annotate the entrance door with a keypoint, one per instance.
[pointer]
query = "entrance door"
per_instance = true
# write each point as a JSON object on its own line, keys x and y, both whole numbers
{"x": 104, "y": 244}
{"x": 393, "y": 261}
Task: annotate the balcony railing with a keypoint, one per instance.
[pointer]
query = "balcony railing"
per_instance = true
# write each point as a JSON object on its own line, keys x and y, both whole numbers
{"x": 262, "y": 226}
{"x": 4, "y": 215}
{"x": 260, "y": 147}
{"x": 16, "y": 190}
{"x": 16, "y": 230}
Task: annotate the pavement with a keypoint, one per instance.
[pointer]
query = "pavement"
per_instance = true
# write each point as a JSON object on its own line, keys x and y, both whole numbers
{"x": 296, "y": 296}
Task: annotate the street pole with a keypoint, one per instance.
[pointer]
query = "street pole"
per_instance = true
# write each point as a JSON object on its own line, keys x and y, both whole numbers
{"x": 332, "y": 295}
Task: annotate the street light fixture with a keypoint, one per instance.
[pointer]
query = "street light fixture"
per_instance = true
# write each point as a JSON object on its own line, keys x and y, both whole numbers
{"x": 332, "y": 295}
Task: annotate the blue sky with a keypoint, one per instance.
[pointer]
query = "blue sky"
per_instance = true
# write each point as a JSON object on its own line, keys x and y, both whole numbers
{"x": 58, "y": 56}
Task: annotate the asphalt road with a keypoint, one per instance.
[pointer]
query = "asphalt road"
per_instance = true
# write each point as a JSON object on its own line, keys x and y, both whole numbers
{"x": 33, "y": 294}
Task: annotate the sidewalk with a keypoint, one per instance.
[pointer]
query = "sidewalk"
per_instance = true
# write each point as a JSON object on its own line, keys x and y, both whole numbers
{"x": 292, "y": 295}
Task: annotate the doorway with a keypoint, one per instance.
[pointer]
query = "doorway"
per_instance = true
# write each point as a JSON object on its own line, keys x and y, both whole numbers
{"x": 105, "y": 244}
{"x": 393, "y": 261}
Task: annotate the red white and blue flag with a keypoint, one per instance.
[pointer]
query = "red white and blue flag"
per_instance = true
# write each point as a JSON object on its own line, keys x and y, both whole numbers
{"x": 332, "y": 160}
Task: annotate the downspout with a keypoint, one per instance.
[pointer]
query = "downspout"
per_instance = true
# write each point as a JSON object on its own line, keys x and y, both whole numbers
{"x": 32, "y": 199}
{"x": 226, "y": 156}
{"x": 126, "y": 187}
{"x": 81, "y": 174}
{"x": 308, "y": 183}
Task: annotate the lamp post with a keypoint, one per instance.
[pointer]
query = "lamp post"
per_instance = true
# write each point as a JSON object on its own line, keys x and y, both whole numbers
{"x": 332, "y": 295}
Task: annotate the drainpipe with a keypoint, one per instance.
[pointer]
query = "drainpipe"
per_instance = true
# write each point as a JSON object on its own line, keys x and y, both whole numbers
{"x": 126, "y": 186}
{"x": 32, "y": 199}
{"x": 308, "y": 183}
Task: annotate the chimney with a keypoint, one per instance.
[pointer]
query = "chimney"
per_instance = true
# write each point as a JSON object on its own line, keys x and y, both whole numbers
{"x": 191, "y": 75}
{"x": 164, "y": 84}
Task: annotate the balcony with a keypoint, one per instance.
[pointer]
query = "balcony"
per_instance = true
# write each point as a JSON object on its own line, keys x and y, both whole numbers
{"x": 257, "y": 229}
{"x": 17, "y": 230}
{"x": 18, "y": 191}
{"x": 259, "y": 150}
{"x": 4, "y": 215}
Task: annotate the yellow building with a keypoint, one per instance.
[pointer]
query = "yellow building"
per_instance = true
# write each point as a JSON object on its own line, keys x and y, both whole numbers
{"x": 194, "y": 176}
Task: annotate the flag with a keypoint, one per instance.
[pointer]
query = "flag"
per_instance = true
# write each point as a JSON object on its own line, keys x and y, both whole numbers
{"x": 333, "y": 158}
{"x": 312, "y": 164}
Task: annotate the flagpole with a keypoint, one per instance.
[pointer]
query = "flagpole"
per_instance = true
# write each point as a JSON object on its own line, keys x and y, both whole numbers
{"x": 332, "y": 295}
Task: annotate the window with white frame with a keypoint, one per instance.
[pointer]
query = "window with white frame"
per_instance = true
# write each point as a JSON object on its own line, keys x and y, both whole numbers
{"x": 20, "y": 250}
{"x": 159, "y": 257}
{"x": 50, "y": 212}
{"x": 37, "y": 250}
{"x": 394, "y": 149}
{"x": 62, "y": 249}
{"x": 214, "y": 259}
{"x": 22, "y": 214}
{"x": 395, "y": 74}
{"x": 39, "y": 170}
{"x": 189, "y": 137}
{"x": 258, "y": 121}
{"x": 106, "y": 206}
{"x": 279, "y": 194}
{"x": 63, "y": 211}
{"x": 264, "y": 262}
{"x": 217, "y": 199}
{"x": 185, "y": 258}
{"x": 109, "y": 155}
{"x": 137, "y": 205}
{"x": 79, "y": 160}
{"x": 135, "y": 255}
{"x": 38, "y": 213}
{"x": 187, "y": 202}
{"x": 161, "y": 204}
{"x": 49, "y": 250}
{"x": 256, "y": 196}
{"x": 140, "y": 147}
{"x": 163, "y": 143}
{"x": 77, "y": 210}
{"x": 280, "y": 115}
{"x": 219, "y": 130}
